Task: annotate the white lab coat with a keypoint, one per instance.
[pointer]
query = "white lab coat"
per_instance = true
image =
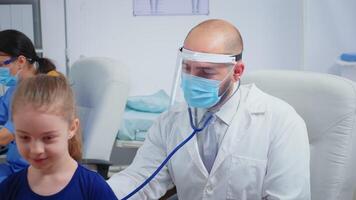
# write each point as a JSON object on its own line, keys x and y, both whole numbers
{"x": 264, "y": 154}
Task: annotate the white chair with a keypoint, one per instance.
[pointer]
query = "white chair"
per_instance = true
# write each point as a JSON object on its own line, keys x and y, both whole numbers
{"x": 327, "y": 103}
{"x": 101, "y": 88}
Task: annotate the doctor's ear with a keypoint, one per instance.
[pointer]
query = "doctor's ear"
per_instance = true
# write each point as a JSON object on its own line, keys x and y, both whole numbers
{"x": 238, "y": 70}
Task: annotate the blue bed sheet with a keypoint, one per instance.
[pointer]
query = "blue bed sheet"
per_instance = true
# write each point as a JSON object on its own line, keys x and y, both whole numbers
{"x": 141, "y": 111}
{"x": 135, "y": 124}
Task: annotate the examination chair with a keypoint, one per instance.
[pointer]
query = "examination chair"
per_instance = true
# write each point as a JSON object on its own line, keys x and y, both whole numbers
{"x": 3, "y": 150}
{"x": 101, "y": 88}
{"x": 327, "y": 103}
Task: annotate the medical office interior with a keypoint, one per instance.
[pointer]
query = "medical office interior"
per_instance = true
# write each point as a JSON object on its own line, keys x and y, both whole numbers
{"x": 300, "y": 35}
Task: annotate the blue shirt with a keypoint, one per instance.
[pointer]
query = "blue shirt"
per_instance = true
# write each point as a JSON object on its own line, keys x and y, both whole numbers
{"x": 14, "y": 159}
{"x": 84, "y": 185}
{"x": 5, "y": 102}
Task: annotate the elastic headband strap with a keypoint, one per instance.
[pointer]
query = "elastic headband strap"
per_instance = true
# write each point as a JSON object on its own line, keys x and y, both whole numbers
{"x": 208, "y": 57}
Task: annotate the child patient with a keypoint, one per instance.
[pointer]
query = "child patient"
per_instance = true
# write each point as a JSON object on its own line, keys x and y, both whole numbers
{"x": 47, "y": 136}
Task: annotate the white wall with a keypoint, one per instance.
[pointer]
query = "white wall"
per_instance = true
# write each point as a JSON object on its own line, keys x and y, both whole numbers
{"x": 272, "y": 30}
{"x": 19, "y": 17}
{"x": 330, "y": 29}
{"x": 148, "y": 45}
{"x": 53, "y": 32}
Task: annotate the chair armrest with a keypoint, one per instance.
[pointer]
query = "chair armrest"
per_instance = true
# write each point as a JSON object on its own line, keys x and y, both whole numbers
{"x": 170, "y": 194}
{"x": 102, "y": 166}
{"x": 3, "y": 149}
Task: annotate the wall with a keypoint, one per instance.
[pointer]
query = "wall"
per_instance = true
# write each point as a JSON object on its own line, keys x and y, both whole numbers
{"x": 148, "y": 45}
{"x": 278, "y": 34}
{"x": 273, "y": 34}
{"x": 19, "y": 17}
{"x": 53, "y": 32}
{"x": 330, "y": 29}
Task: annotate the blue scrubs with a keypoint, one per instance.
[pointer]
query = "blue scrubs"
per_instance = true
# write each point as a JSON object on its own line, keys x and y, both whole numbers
{"x": 14, "y": 161}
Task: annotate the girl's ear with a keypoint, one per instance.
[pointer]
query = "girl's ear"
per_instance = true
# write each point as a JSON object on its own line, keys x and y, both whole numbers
{"x": 73, "y": 128}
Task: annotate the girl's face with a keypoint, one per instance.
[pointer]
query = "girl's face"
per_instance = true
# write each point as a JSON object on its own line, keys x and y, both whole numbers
{"x": 42, "y": 138}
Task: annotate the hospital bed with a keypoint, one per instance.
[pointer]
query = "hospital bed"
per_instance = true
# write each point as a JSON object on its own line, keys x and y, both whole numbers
{"x": 134, "y": 126}
{"x": 140, "y": 114}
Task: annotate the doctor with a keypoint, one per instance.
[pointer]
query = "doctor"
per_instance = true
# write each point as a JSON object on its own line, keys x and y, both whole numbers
{"x": 18, "y": 60}
{"x": 255, "y": 146}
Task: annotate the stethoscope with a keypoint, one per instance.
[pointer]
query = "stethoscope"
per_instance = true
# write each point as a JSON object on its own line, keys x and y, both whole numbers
{"x": 196, "y": 129}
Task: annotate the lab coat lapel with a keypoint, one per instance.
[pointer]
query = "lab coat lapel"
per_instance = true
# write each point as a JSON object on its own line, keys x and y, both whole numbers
{"x": 250, "y": 104}
{"x": 192, "y": 147}
{"x": 231, "y": 138}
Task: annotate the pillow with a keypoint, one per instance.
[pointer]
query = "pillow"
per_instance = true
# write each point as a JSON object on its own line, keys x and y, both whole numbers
{"x": 155, "y": 103}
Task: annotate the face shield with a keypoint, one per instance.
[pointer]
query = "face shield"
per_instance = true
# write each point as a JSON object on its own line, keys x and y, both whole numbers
{"x": 200, "y": 76}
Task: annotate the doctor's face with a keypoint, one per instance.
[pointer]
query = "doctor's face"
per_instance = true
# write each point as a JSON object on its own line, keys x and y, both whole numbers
{"x": 42, "y": 138}
{"x": 213, "y": 71}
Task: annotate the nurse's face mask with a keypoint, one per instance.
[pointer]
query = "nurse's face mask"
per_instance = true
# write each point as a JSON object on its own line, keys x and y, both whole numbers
{"x": 202, "y": 76}
{"x": 5, "y": 75}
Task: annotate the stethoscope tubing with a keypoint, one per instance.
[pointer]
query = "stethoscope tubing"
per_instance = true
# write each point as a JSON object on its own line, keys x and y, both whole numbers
{"x": 195, "y": 131}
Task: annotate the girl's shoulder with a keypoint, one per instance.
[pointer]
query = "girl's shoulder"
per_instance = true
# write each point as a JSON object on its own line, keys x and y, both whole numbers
{"x": 15, "y": 178}
{"x": 86, "y": 173}
{"x": 14, "y": 184}
{"x": 89, "y": 177}
{"x": 94, "y": 183}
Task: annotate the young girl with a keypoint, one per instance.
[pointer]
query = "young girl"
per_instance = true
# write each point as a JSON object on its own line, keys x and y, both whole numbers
{"x": 46, "y": 132}
{"x": 18, "y": 60}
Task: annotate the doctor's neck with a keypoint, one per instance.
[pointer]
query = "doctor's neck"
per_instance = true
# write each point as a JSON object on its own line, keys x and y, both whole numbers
{"x": 231, "y": 90}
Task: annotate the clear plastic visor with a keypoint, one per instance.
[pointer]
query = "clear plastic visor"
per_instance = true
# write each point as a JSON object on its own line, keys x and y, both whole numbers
{"x": 204, "y": 65}
{"x": 207, "y": 57}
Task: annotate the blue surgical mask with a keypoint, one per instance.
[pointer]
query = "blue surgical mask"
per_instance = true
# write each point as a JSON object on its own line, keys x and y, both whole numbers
{"x": 200, "y": 92}
{"x": 6, "y": 78}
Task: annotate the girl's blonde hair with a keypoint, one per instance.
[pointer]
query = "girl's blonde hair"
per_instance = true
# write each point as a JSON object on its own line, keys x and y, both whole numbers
{"x": 49, "y": 94}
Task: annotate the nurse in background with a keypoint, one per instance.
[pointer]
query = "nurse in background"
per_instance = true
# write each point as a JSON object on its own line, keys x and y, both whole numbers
{"x": 18, "y": 60}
